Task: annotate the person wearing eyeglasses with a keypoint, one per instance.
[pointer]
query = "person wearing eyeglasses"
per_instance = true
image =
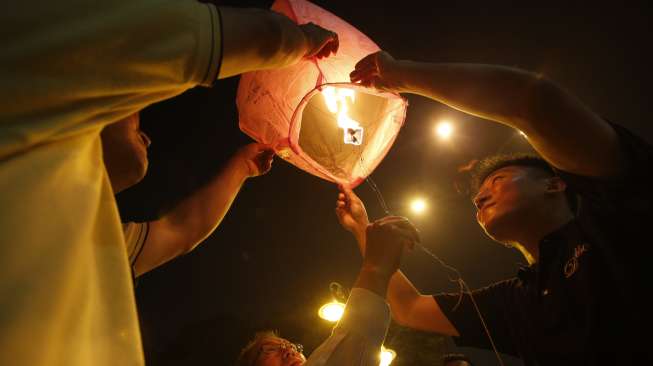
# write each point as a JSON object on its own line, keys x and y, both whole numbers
{"x": 269, "y": 349}
{"x": 357, "y": 338}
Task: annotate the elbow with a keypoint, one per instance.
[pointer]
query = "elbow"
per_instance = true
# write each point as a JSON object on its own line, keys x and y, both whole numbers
{"x": 545, "y": 89}
{"x": 401, "y": 315}
{"x": 193, "y": 239}
{"x": 533, "y": 100}
{"x": 401, "y": 320}
{"x": 544, "y": 100}
{"x": 189, "y": 246}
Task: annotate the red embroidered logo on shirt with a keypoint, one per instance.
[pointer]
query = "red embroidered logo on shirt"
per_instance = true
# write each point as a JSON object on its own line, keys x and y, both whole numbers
{"x": 572, "y": 264}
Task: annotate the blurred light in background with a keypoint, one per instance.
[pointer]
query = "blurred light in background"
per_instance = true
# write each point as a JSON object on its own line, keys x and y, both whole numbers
{"x": 444, "y": 130}
{"x": 387, "y": 355}
{"x": 331, "y": 311}
{"x": 418, "y": 205}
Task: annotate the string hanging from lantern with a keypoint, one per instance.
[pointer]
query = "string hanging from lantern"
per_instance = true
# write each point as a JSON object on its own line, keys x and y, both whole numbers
{"x": 456, "y": 278}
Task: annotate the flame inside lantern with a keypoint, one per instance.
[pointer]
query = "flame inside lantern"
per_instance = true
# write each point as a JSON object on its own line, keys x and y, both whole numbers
{"x": 336, "y": 102}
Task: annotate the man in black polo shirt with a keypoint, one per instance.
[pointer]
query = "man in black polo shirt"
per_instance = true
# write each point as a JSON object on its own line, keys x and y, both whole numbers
{"x": 579, "y": 216}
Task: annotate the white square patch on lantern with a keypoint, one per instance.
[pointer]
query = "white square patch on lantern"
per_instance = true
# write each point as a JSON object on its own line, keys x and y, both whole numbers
{"x": 354, "y": 135}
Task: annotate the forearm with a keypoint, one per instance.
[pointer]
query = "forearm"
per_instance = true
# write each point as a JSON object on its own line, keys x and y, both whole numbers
{"x": 497, "y": 93}
{"x": 401, "y": 295}
{"x": 559, "y": 126}
{"x": 373, "y": 280}
{"x": 408, "y": 306}
{"x": 197, "y": 216}
{"x": 358, "y": 336}
{"x": 256, "y": 39}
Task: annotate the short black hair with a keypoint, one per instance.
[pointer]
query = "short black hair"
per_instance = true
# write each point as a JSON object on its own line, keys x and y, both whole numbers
{"x": 489, "y": 165}
{"x": 456, "y": 357}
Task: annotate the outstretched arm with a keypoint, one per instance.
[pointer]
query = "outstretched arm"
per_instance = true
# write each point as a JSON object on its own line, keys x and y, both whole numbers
{"x": 255, "y": 39}
{"x": 195, "y": 217}
{"x": 357, "y": 338}
{"x": 559, "y": 126}
{"x": 409, "y": 307}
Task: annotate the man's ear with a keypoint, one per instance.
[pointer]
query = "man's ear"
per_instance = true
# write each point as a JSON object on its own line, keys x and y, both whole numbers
{"x": 555, "y": 185}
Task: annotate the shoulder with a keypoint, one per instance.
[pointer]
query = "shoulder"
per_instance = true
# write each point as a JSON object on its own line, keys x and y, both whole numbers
{"x": 632, "y": 182}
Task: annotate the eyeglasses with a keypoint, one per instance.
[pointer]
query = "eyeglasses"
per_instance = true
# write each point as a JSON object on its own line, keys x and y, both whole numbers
{"x": 270, "y": 349}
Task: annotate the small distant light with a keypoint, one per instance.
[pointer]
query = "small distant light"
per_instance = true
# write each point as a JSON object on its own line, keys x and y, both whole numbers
{"x": 444, "y": 129}
{"x": 418, "y": 205}
{"x": 387, "y": 356}
{"x": 331, "y": 311}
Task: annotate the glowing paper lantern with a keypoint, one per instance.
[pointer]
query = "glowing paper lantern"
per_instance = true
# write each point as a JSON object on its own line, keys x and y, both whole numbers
{"x": 312, "y": 115}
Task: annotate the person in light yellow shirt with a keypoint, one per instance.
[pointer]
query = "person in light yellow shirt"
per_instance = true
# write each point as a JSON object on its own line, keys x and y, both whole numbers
{"x": 68, "y": 69}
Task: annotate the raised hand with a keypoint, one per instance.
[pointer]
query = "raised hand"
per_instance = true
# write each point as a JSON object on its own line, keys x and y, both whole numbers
{"x": 256, "y": 157}
{"x": 378, "y": 70}
{"x": 386, "y": 240}
{"x": 351, "y": 212}
{"x": 321, "y": 42}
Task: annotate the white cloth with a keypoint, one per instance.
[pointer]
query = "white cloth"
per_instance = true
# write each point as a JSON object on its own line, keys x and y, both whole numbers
{"x": 357, "y": 338}
{"x": 68, "y": 68}
{"x": 135, "y": 236}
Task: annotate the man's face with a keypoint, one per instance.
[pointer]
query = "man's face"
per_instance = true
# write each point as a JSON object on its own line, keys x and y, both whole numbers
{"x": 125, "y": 152}
{"x": 506, "y": 198}
{"x": 275, "y": 351}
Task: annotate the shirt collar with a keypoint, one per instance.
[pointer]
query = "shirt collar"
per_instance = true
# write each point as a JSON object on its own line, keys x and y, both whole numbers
{"x": 567, "y": 233}
{"x": 527, "y": 274}
{"x": 549, "y": 246}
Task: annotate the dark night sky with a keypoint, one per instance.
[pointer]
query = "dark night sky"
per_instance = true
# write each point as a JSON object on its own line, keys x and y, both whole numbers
{"x": 270, "y": 262}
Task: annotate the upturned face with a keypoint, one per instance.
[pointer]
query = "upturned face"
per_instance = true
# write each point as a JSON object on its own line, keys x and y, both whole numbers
{"x": 276, "y": 351}
{"x": 506, "y": 199}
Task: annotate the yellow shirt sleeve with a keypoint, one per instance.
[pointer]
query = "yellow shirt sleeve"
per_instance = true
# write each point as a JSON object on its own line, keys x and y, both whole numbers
{"x": 69, "y": 65}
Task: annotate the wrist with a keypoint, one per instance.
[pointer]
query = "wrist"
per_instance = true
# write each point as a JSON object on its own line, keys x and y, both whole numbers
{"x": 359, "y": 233}
{"x": 370, "y": 278}
{"x": 239, "y": 167}
{"x": 377, "y": 272}
{"x": 400, "y": 75}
